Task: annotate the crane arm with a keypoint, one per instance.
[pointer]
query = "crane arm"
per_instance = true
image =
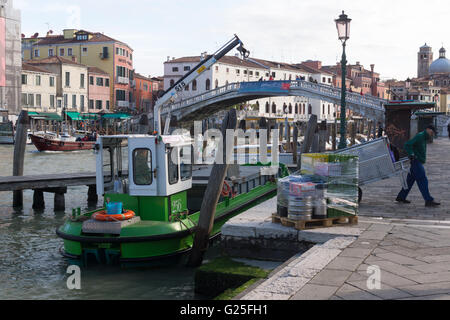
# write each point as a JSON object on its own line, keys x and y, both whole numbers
{"x": 179, "y": 86}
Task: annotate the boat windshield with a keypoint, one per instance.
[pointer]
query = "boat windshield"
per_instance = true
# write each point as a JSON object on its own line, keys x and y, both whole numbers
{"x": 173, "y": 165}
{"x": 186, "y": 162}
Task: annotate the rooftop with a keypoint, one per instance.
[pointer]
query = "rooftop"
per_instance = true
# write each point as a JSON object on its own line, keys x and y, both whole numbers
{"x": 54, "y": 60}
{"x": 29, "y": 67}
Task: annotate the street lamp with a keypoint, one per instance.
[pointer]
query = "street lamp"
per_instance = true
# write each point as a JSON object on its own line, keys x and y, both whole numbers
{"x": 343, "y": 28}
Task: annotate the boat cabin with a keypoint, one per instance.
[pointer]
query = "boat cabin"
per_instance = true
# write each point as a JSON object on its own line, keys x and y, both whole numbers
{"x": 142, "y": 165}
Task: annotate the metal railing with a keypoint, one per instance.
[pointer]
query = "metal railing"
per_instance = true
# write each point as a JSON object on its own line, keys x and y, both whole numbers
{"x": 322, "y": 91}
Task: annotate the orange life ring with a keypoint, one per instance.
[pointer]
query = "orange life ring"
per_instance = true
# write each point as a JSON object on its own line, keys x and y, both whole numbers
{"x": 104, "y": 216}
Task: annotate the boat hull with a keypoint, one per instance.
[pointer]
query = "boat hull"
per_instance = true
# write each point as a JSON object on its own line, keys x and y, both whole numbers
{"x": 44, "y": 144}
{"x": 147, "y": 245}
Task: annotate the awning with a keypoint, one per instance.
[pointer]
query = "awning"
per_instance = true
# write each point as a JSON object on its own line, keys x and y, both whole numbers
{"x": 116, "y": 116}
{"x": 45, "y": 116}
{"x": 74, "y": 116}
{"x": 89, "y": 116}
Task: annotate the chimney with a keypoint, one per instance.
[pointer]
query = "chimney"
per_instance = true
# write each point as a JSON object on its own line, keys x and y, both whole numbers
{"x": 168, "y": 58}
{"x": 357, "y": 63}
{"x": 313, "y": 64}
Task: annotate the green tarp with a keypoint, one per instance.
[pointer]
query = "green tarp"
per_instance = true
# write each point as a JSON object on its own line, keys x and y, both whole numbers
{"x": 89, "y": 116}
{"x": 116, "y": 116}
{"x": 74, "y": 116}
{"x": 45, "y": 116}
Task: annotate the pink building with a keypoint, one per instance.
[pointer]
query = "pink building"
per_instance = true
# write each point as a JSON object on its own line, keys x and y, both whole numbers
{"x": 99, "y": 90}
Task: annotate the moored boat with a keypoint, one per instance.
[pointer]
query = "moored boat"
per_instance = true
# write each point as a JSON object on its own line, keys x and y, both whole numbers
{"x": 50, "y": 142}
{"x": 153, "y": 178}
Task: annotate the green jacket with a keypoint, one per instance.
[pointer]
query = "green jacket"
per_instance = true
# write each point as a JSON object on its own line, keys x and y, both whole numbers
{"x": 417, "y": 146}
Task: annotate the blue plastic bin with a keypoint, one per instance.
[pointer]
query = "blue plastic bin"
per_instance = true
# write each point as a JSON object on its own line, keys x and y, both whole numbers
{"x": 114, "y": 208}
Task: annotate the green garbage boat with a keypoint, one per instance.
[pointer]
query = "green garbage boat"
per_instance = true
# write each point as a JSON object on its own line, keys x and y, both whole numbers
{"x": 152, "y": 177}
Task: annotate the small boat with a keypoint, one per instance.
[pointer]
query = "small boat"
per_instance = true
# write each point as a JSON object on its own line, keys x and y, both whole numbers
{"x": 6, "y": 128}
{"x": 6, "y": 133}
{"x": 65, "y": 142}
{"x": 153, "y": 180}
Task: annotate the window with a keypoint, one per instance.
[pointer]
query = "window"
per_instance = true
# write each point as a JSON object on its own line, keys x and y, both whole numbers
{"x": 106, "y": 82}
{"x": 245, "y": 71}
{"x": 36, "y": 53}
{"x": 107, "y": 104}
{"x": 217, "y": 68}
{"x": 67, "y": 79}
{"x": 66, "y": 99}
{"x": 208, "y": 84}
{"x": 50, "y": 52}
{"x": 172, "y": 82}
{"x": 145, "y": 87}
{"x": 91, "y": 81}
{"x": 52, "y": 81}
{"x": 142, "y": 167}
{"x": 194, "y": 85}
{"x": 24, "y": 99}
{"x": 173, "y": 166}
{"x": 238, "y": 72}
{"x": 250, "y": 73}
{"x": 84, "y": 51}
{"x": 257, "y": 73}
{"x": 91, "y": 104}
{"x": 107, "y": 168}
{"x": 185, "y": 163}
{"x": 74, "y": 101}
{"x": 175, "y": 69}
{"x": 24, "y": 79}
{"x": 69, "y": 52}
{"x": 98, "y": 104}
{"x": 100, "y": 82}
{"x": 38, "y": 100}
{"x": 61, "y": 52}
{"x": 82, "y": 37}
{"x": 217, "y": 83}
{"x": 121, "y": 71}
{"x": 82, "y": 80}
{"x": 120, "y": 95}
{"x": 228, "y": 70}
{"x": 187, "y": 68}
{"x": 31, "y": 99}
{"x": 82, "y": 102}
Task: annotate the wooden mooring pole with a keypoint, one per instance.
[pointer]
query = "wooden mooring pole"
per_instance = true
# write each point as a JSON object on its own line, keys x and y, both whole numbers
{"x": 211, "y": 197}
{"x": 19, "y": 154}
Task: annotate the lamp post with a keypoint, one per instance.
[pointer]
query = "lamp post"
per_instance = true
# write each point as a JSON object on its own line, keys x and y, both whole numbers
{"x": 343, "y": 28}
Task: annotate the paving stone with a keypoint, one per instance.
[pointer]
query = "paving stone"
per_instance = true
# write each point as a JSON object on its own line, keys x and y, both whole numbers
{"x": 432, "y": 259}
{"x": 263, "y": 295}
{"x": 385, "y": 292}
{"x": 380, "y": 227}
{"x": 429, "y": 278}
{"x": 356, "y": 252}
{"x": 283, "y": 285}
{"x": 396, "y": 268}
{"x": 433, "y": 297}
{"x": 331, "y": 277}
{"x": 345, "y": 263}
{"x": 315, "y": 292}
{"x": 400, "y": 259}
{"x": 349, "y": 292}
{"x": 373, "y": 235}
{"x": 432, "y": 267}
{"x": 427, "y": 289}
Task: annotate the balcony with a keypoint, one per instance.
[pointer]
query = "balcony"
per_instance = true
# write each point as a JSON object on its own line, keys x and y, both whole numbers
{"x": 122, "y": 80}
{"x": 122, "y": 104}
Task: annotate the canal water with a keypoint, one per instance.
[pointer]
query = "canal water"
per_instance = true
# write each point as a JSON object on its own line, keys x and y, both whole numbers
{"x": 31, "y": 266}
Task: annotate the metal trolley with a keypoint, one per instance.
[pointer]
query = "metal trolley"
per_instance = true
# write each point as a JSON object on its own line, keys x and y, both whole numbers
{"x": 376, "y": 163}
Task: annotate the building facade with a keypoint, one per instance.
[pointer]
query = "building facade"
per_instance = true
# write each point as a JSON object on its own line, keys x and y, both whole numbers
{"x": 233, "y": 69}
{"x": 92, "y": 49}
{"x": 39, "y": 92}
{"x": 10, "y": 59}
{"x": 99, "y": 90}
{"x": 143, "y": 93}
{"x": 71, "y": 83}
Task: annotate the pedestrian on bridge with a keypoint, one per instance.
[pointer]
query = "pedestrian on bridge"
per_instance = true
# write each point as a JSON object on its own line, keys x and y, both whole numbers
{"x": 448, "y": 129}
{"x": 417, "y": 153}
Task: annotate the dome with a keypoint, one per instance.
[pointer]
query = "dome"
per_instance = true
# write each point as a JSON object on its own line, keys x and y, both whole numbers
{"x": 441, "y": 65}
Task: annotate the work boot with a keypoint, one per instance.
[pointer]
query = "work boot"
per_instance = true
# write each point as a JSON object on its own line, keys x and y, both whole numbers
{"x": 432, "y": 203}
{"x": 402, "y": 200}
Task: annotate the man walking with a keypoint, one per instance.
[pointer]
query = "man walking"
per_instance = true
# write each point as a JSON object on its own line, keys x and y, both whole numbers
{"x": 417, "y": 152}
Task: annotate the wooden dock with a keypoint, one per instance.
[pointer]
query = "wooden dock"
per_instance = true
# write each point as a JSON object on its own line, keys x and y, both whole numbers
{"x": 52, "y": 183}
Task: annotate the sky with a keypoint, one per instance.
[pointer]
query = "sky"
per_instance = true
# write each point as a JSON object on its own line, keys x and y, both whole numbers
{"x": 387, "y": 33}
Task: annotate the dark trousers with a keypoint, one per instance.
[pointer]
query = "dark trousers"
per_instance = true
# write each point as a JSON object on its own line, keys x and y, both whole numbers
{"x": 417, "y": 174}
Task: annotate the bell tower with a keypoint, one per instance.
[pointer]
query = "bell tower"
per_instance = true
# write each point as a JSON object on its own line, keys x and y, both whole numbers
{"x": 424, "y": 60}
